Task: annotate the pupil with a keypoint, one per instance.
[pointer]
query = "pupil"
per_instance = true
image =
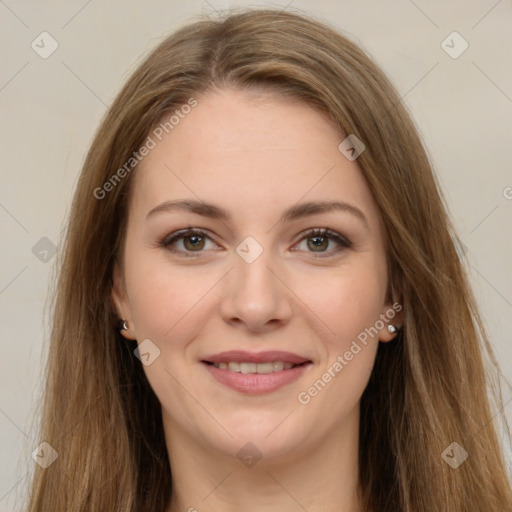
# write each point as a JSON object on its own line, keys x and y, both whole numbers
{"x": 194, "y": 241}
{"x": 318, "y": 241}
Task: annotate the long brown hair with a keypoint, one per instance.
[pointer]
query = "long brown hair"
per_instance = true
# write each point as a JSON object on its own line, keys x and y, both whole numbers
{"x": 429, "y": 387}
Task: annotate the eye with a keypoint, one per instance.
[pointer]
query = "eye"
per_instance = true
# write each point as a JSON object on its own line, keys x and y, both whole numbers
{"x": 192, "y": 241}
{"x": 318, "y": 239}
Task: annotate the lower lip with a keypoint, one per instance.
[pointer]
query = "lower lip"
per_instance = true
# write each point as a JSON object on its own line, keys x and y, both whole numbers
{"x": 256, "y": 383}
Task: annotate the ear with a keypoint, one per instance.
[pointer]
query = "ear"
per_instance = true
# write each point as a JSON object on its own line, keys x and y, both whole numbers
{"x": 391, "y": 314}
{"x": 121, "y": 302}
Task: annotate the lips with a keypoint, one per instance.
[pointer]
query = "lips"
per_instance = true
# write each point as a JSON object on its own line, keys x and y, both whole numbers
{"x": 256, "y": 373}
{"x": 240, "y": 356}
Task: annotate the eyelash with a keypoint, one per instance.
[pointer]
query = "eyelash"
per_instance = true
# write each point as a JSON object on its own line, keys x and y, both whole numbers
{"x": 315, "y": 232}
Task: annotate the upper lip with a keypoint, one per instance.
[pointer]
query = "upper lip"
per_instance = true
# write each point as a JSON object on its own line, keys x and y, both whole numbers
{"x": 243, "y": 356}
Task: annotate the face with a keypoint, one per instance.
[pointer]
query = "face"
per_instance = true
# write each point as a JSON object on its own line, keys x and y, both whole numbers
{"x": 259, "y": 310}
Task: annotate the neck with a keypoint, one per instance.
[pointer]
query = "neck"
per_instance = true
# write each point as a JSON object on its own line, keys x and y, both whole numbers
{"x": 320, "y": 477}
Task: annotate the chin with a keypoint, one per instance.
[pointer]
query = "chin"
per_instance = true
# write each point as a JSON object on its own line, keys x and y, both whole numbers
{"x": 276, "y": 436}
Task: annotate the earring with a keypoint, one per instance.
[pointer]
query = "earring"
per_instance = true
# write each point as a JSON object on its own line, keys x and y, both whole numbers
{"x": 123, "y": 325}
{"x": 392, "y": 329}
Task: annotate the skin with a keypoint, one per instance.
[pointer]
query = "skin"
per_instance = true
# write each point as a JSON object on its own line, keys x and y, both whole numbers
{"x": 255, "y": 156}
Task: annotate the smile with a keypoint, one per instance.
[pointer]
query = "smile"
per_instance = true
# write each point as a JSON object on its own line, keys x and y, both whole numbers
{"x": 248, "y": 368}
{"x": 256, "y": 373}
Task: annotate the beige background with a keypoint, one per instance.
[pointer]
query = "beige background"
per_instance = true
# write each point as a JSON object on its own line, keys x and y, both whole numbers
{"x": 51, "y": 107}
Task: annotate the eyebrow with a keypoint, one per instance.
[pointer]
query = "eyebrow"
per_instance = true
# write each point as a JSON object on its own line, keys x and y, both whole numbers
{"x": 295, "y": 212}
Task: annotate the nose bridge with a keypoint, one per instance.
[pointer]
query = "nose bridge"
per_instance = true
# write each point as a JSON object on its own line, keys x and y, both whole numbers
{"x": 252, "y": 261}
{"x": 253, "y": 279}
{"x": 255, "y": 295}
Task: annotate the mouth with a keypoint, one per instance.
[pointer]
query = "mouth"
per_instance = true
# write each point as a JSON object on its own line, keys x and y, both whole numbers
{"x": 256, "y": 373}
{"x": 251, "y": 368}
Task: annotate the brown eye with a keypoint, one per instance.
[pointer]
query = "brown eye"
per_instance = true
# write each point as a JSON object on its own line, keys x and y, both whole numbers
{"x": 193, "y": 242}
{"x": 319, "y": 240}
{"x": 187, "y": 241}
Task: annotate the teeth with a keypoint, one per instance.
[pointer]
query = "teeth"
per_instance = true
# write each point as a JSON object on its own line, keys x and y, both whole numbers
{"x": 248, "y": 367}
{"x": 245, "y": 368}
{"x": 234, "y": 367}
{"x": 265, "y": 368}
{"x": 277, "y": 366}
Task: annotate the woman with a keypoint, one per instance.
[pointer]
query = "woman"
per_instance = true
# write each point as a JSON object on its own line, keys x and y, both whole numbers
{"x": 260, "y": 304}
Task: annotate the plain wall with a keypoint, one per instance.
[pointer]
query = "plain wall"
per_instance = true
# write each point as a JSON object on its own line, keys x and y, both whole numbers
{"x": 51, "y": 108}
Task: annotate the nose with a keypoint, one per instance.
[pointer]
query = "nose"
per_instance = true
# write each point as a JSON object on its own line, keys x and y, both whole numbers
{"x": 255, "y": 296}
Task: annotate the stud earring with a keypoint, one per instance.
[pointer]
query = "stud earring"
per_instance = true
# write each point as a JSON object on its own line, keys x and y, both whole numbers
{"x": 392, "y": 329}
{"x": 123, "y": 325}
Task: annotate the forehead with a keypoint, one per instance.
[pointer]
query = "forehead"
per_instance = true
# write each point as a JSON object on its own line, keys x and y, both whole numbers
{"x": 252, "y": 154}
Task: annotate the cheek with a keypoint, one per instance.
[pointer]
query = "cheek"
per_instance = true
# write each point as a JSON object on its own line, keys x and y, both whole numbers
{"x": 164, "y": 297}
{"x": 349, "y": 304}
{"x": 346, "y": 302}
